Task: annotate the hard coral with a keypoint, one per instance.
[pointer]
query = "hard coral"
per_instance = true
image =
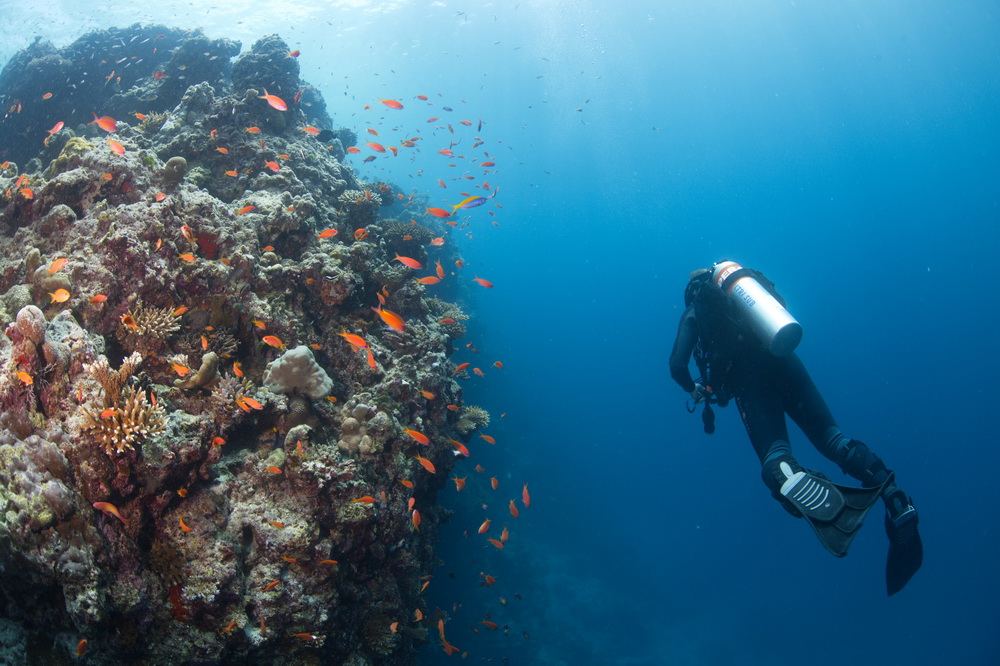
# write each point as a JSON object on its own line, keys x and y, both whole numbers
{"x": 133, "y": 422}
{"x": 145, "y": 329}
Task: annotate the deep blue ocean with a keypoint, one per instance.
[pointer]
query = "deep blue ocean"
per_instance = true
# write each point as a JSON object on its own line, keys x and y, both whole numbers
{"x": 847, "y": 149}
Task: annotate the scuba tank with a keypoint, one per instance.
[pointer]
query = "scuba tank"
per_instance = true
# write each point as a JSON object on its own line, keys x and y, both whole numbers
{"x": 774, "y": 327}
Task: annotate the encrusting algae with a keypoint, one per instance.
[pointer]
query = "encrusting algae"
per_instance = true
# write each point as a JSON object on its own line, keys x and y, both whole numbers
{"x": 209, "y": 467}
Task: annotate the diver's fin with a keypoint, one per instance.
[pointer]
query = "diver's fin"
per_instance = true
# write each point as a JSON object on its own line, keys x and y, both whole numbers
{"x": 833, "y": 511}
{"x": 906, "y": 550}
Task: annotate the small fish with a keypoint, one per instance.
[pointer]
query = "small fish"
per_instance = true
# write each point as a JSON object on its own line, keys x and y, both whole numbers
{"x": 453, "y": 408}
{"x": 391, "y": 319}
{"x": 270, "y": 586}
{"x": 183, "y": 526}
{"x": 488, "y": 580}
{"x": 377, "y": 147}
{"x": 289, "y": 559}
{"x": 394, "y": 627}
{"x": 237, "y": 369}
{"x": 525, "y": 497}
{"x": 367, "y": 499}
{"x": 459, "y": 482}
{"x": 353, "y": 150}
{"x": 505, "y": 534}
{"x": 419, "y": 436}
{"x": 274, "y": 341}
{"x": 494, "y": 483}
{"x": 485, "y": 527}
{"x": 360, "y": 234}
{"x": 106, "y": 123}
{"x": 108, "y": 413}
{"x": 496, "y": 543}
{"x": 437, "y": 242}
{"x": 25, "y": 378}
{"x": 418, "y": 615}
{"x": 59, "y": 296}
{"x": 293, "y": 54}
{"x": 232, "y": 173}
{"x": 250, "y": 402}
{"x": 477, "y": 371}
{"x": 81, "y": 647}
{"x": 218, "y": 441}
{"x": 470, "y": 202}
{"x": 408, "y": 262}
{"x": 275, "y": 101}
{"x": 57, "y": 264}
{"x": 438, "y": 212}
{"x": 498, "y": 365}
{"x": 187, "y": 256}
{"x": 224, "y": 151}
{"x": 274, "y": 470}
{"x": 427, "y": 394}
{"x": 244, "y": 210}
{"x": 259, "y": 324}
{"x": 416, "y": 519}
{"x": 253, "y": 130}
{"x": 312, "y": 131}
{"x": 273, "y": 166}
{"x": 482, "y": 282}
{"x": 428, "y": 465}
{"x": 328, "y": 562}
{"x": 353, "y": 339}
{"x": 98, "y": 298}
{"x": 460, "y": 367}
{"x": 461, "y": 448}
{"x": 327, "y": 233}
{"x": 306, "y": 637}
{"x": 406, "y": 483}
{"x": 513, "y": 509}
{"x": 392, "y": 104}
{"x": 116, "y": 148}
{"x": 109, "y": 509}
{"x": 160, "y": 196}
{"x": 488, "y": 439}
{"x": 181, "y": 370}
{"x": 158, "y": 75}
{"x": 430, "y": 279}
{"x": 129, "y": 322}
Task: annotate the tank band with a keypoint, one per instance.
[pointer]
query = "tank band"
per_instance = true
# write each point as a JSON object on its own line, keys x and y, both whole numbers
{"x": 730, "y": 281}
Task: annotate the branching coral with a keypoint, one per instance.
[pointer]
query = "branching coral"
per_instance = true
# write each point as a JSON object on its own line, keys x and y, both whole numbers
{"x": 128, "y": 416}
{"x": 144, "y": 330}
{"x": 470, "y": 418}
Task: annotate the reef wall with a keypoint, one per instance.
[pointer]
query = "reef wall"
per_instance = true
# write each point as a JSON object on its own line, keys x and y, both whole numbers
{"x": 226, "y": 410}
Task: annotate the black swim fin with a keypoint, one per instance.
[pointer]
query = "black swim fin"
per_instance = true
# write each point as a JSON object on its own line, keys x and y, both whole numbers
{"x": 833, "y": 511}
{"x": 906, "y": 550}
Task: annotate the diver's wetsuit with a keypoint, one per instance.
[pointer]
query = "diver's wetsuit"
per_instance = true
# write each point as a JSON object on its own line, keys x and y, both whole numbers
{"x": 765, "y": 388}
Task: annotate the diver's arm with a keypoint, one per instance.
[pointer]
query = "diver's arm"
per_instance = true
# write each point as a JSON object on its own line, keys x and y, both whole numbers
{"x": 687, "y": 337}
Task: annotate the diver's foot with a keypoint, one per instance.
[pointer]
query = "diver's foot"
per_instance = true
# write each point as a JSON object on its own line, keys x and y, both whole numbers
{"x": 906, "y": 550}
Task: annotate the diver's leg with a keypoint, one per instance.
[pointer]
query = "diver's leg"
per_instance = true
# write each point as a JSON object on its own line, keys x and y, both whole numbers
{"x": 807, "y": 408}
{"x": 763, "y": 417}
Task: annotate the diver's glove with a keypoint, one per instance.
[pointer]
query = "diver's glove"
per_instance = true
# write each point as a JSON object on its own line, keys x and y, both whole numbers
{"x": 699, "y": 393}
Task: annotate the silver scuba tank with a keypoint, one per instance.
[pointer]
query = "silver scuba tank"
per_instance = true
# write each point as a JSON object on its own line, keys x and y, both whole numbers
{"x": 765, "y": 316}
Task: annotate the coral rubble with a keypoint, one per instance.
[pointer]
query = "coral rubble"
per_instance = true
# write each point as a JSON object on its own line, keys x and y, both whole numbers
{"x": 196, "y": 465}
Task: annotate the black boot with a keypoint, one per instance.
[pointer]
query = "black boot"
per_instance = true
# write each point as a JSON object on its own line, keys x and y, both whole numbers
{"x": 906, "y": 550}
{"x": 773, "y": 478}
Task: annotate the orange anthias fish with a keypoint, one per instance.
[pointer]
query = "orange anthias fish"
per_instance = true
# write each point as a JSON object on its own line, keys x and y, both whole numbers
{"x": 313, "y": 131}
{"x": 488, "y": 439}
{"x": 513, "y": 509}
{"x": 59, "y": 296}
{"x": 482, "y": 282}
{"x": 273, "y": 166}
{"x": 274, "y": 341}
{"x": 353, "y": 339}
{"x": 109, "y": 509}
{"x": 525, "y": 497}
{"x": 391, "y": 319}
{"x": 485, "y": 527}
{"x": 438, "y": 269}
{"x": 428, "y": 465}
{"x": 416, "y": 519}
{"x": 377, "y": 147}
{"x": 327, "y": 233}
{"x": 410, "y": 263}
{"x": 430, "y": 279}
{"x": 494, "y": 483}
{"x": 275, "y": 101}
{"x": 438, "y": 212}
{"x": 461, "y": 448}
{"x": 244, "y": 210}
{"x": 57, "y": 264}
{"x": 106, "y": 123}
{"x": 392, "y": 104}
{"x": 116, "y": 148}
{"x": 459, "y": 482}
{"x": 419, "y": 436}
{"x": 459, "y": 368}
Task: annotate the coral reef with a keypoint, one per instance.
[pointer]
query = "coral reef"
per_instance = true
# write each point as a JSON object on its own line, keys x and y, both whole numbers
{"x": 175, "y": 486}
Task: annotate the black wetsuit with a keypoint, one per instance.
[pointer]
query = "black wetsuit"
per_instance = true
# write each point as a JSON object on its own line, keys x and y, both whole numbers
{"x": 765, "y": 388}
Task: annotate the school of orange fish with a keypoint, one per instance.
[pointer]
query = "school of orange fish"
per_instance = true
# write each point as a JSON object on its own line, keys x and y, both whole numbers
{"x": 483, "y": 164}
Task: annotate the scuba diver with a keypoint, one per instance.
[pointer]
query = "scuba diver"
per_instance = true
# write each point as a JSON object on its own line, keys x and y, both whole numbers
{"x": 743, "y": 340}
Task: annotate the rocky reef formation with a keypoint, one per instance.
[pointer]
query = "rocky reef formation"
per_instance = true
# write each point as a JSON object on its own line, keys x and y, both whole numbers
{"x": 207, "y": 448}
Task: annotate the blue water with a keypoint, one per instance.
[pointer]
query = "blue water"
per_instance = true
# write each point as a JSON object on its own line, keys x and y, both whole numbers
{"x": 849, "y": 150}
